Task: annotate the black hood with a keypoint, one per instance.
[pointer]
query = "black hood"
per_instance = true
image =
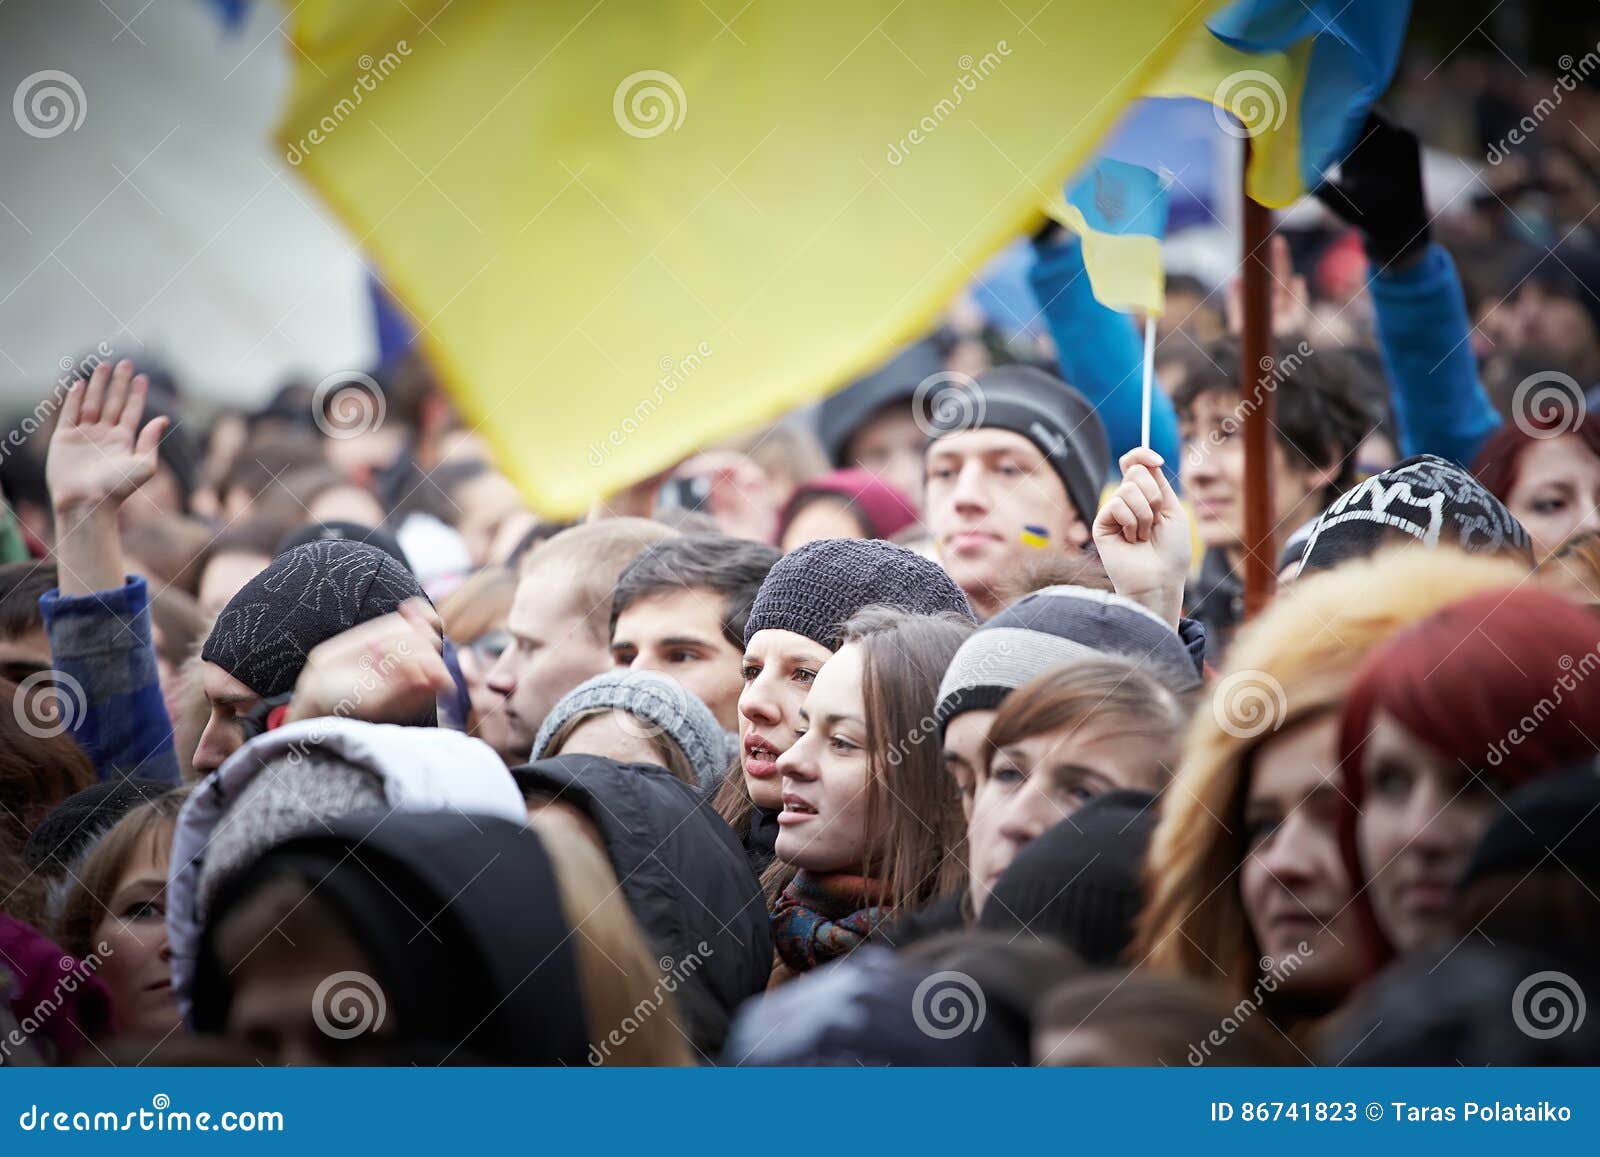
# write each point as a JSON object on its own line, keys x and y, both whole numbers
{"x": 462, "y": 919}
{"x": 686, "y": 878}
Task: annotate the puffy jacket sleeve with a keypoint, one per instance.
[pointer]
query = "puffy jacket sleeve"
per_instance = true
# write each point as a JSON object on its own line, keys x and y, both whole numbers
{"x": 1100, "y": 352}
{"x": 101, "y": 645}
{"x": 1424, "y": 334}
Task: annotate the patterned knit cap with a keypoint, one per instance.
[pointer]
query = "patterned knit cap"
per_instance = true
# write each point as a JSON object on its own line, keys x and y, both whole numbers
{"x": 1424, "y": 498}
{"x": 814, "y": 590}
{"x": 307, "y": 595}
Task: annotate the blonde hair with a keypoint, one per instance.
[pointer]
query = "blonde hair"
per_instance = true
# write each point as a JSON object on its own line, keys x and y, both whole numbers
{"x": 628, "y": 1003}
{"x": 479, "y": 605}
{"x": 1573, "y": 569}
{"x": 1294, "y": 663}
{"x": 596, "y": 554}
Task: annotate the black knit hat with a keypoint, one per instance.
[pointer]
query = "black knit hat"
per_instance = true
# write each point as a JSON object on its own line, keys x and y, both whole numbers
{"x": 306, "y": 595}
{"x": 1079, "y": 882}
{"x": 842, "y": 414}
{"x": 814, "y": 590}
{"x": 1054, "y": 626}
{"x": 350, "y": 531}
{"x": 1049, "y": 413}
{"x": 83, "y": 817}
{"x": 1424, "y": 498}
{"x": 1554, "y": 822}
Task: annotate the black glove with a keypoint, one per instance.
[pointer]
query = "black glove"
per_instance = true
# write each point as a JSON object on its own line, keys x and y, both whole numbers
{"x": 1380, "y": 192}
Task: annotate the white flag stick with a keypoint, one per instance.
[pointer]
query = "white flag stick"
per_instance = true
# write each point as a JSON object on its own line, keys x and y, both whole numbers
{"x": 1149, "y": 378}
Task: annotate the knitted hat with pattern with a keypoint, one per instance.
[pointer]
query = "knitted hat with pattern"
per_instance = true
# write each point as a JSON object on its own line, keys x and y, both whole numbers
{"x": 814, "y": 590}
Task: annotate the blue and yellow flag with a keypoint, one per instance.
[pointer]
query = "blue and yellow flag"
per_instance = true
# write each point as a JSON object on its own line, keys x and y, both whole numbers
{"x": 628, "y": 229}
{"x": 1120, "y": 211}
{"x": 1297, "y": 76}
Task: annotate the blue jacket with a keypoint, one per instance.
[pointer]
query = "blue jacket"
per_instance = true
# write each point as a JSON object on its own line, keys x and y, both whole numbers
{"x": 1424, "y": 333}
{"x": 101, "y": 648}
{"x": 1101, "y": 354}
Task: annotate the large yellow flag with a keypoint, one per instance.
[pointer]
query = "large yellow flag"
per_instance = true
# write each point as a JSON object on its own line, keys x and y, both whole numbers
{"x": 628, "y": 228}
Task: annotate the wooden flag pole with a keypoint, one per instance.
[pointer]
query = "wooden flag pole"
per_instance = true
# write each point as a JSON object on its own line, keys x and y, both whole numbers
{"x": 1260, "y": 555}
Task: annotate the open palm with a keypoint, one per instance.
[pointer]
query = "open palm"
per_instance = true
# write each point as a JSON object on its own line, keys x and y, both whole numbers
{"x": 99, "y": 454}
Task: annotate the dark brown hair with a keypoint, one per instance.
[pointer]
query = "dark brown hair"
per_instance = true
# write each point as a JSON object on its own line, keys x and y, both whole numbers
{"x": 912, "y": 806}
{"x": 1145, "y": 1019}
{"x": 37, "y": 769}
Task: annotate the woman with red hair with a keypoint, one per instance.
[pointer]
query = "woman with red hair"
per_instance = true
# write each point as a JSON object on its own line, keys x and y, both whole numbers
{"x": 1476, "y": 699}
{"x": 1546, "y": 474}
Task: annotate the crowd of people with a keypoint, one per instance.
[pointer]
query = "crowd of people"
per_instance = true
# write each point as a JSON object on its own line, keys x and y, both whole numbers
{"x": 926, "y": 726}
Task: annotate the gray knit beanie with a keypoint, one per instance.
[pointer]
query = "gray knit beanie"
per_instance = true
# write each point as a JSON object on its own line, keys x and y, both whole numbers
{"x": 299, "y": 792}
{"x": 813, "y": 591}
{"x": 661, "y": 704}
{"x": 1053, "y": 626}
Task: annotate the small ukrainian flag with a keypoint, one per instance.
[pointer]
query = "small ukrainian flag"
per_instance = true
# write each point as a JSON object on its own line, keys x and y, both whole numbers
{"x": 1120, "y": 211}
{"x": 1035, "y": 536}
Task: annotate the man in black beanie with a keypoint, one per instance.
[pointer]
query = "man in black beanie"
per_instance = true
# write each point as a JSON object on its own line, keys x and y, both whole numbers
{"x": 1015, "y": 467}
{"x": 259, "y": 644}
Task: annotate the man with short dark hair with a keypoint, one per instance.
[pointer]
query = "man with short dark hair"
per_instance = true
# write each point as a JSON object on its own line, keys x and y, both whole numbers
{"x": 680, "y": 609}
{"x": 1319, "y": 421}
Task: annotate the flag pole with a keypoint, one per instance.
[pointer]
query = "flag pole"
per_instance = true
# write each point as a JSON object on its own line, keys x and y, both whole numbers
{"x": 1260, "y": 555}
{"x": 1149, "y": 379}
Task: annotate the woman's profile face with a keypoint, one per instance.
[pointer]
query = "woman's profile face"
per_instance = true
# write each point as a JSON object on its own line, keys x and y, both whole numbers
{"x": 778, "y": 670}
{"x": 823, "y": 824}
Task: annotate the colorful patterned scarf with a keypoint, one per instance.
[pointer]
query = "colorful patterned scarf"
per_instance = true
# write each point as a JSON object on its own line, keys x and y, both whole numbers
{"x": 821, "y": 917}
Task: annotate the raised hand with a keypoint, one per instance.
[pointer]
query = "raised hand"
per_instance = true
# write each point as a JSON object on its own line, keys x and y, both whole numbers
{"x": 99, "y": 454}
{"x": 1143, "y": 537}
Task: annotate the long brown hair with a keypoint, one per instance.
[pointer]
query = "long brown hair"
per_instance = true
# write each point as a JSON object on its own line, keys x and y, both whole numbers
{"x": 912, "y": 806}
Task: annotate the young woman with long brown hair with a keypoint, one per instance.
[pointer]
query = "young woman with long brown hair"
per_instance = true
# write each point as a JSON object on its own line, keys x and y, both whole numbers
{"x": 871, "y": 824}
